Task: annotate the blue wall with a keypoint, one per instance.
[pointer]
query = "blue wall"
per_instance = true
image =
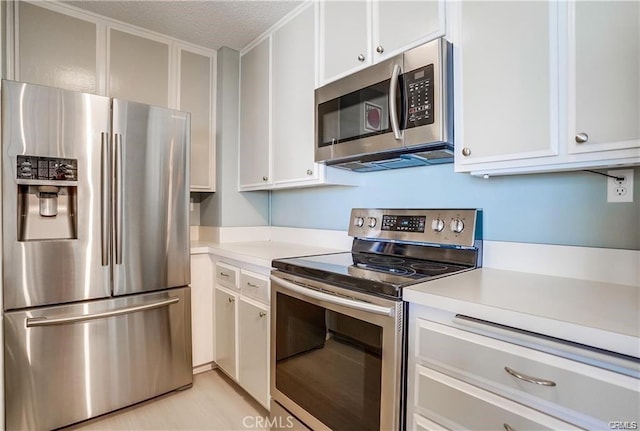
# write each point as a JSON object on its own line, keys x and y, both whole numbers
{"x": 557, "y": 208}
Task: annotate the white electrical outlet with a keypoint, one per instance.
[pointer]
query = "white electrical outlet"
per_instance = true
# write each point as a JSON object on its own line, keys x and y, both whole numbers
{"x": 620, "y": 190}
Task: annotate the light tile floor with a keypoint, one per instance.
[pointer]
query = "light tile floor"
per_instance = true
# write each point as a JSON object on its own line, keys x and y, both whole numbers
{"x": 213, "y": 403}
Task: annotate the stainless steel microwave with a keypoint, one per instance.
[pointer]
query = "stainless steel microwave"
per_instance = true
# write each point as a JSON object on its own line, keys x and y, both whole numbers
{"x": 397, "y": 113}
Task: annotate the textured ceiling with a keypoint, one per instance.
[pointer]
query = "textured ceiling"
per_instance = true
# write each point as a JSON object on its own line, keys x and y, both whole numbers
{"x": 208, "y": 23}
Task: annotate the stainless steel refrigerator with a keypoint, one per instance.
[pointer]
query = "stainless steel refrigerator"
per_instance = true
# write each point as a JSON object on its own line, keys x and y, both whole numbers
{"x": 95, "y": 254}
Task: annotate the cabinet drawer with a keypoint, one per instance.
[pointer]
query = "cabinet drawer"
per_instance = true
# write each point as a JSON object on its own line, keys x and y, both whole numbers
{"x": 227, "y": 275}
{"x": 587, "y": 391}
{"x": 458, "y": 405}
{"x": 254, "y": 286}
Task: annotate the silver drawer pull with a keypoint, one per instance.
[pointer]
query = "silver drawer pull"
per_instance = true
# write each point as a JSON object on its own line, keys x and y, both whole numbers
{"x": 507, "y": 427}
{"x": 529, "y": 379}
{"x": 252, "y": 285}
{"x": 222, "y": 274}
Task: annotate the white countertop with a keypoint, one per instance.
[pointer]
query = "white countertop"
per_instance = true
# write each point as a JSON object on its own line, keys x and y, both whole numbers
{"x": 259, "y": 253}
{"x": 593, "y": 313}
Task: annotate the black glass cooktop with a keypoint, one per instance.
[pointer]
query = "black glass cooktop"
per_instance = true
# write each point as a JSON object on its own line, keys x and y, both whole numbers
{"x": 368, "y": 272}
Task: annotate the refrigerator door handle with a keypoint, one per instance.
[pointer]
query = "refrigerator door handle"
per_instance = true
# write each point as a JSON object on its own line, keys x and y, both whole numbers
{"x": 44, "y": 321}
{"x": 118, "y": 198}
{"x": 105, "y": 198}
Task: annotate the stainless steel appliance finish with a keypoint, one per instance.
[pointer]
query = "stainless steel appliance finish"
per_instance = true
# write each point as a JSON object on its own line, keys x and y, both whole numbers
{"x": 338, "y": 335}
{"x": 397, "y": 113}
{"x": 335, "y": 355}
{"x": 95, "y": 206}
{"x": 65, "y": 363}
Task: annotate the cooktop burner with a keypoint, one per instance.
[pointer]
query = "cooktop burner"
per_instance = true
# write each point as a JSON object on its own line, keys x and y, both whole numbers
{"x": 373, "y": 273}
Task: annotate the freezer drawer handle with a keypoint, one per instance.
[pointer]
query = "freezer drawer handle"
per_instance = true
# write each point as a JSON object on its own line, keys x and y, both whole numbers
{"x": 43, "y": 321}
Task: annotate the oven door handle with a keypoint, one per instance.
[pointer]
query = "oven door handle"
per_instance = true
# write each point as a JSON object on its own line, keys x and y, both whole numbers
{"x": 337, "y": 300}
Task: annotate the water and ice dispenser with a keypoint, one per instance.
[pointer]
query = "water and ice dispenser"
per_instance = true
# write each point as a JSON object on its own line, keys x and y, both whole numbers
{"x": 47, "y": 198}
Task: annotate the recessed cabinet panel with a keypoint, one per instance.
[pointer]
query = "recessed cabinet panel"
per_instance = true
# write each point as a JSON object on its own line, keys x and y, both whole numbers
{"x": 138, "y": 68}
{"x": 225, "y": 331}
{"x": 293, "y": 63}
{"x": 402, "y": 22}
{"x": 345, "y": 37}
{"x": 607, "y": 75}
{"x": 254, "y": 116}
{"x": 201, "y": 309}
{"x": 506, "y": 82}
{"x": 253, "y": 335}
{"x": 55, "y": 50}
{"x": 195, "y": 97}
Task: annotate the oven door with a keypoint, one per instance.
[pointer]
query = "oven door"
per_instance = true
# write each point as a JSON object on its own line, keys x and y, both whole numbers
{"x": 336, "y": 355}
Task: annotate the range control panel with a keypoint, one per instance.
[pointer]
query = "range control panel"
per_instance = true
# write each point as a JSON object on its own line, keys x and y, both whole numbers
{"x": 453, "y": 227}
{"x": 46, "y": 168}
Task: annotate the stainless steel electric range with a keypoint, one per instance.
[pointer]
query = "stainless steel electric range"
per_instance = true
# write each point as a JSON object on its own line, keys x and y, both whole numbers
{"x": 338, "y": 330}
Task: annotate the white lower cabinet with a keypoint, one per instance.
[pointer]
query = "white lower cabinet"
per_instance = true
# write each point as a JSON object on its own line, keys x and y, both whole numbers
{"x": 201, "y": 309}
{"x": 225, "y": 332}
{"x": 458, "y": 379}
{"x": 241, "y": 321}
{"x": 253, "y": 343}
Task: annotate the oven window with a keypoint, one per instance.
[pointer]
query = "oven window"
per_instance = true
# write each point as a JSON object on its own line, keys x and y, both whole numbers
{"x": 356, "y": 115}
{"x": 329, "y": 363}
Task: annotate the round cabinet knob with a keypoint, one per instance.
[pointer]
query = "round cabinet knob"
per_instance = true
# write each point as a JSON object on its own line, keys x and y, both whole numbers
{"x": 437, "y": 225}
{"x": 466, "y": 151}
{"x": 457, "y": 225}
{"x": 372, "y": 221}
{"x": 309, "y": 172}
{"x": 262, "y": 314}
{"x": 361, "y": 58}
{"x": 379, "y": 49}
{"x": 231, "y": 300}
{"x": 358, "y": 221}
{"x": 265, "y": 178}
{"x": 581, "y": 138}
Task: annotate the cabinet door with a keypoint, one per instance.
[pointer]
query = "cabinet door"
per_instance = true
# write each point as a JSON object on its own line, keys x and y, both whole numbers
{"x": 138, "y": 68}
{"x": 345, "y": 36}
{"x": 293, "y": 66}
{"x": 253, "y": 353}
{"x": 254, "y": 116}
{"x": 55, "y": 50}
{"x": 202, "y": 309}
{"x": 506, "y": 107}
{"x": 606, "y": 75}
{"x": 197, "y": 93}
{"x": 225, "y": 331}
{"x": 403, "y": 24}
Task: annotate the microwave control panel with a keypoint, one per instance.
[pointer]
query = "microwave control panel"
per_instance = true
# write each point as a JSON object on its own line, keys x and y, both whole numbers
{"x": 419, "y": 89}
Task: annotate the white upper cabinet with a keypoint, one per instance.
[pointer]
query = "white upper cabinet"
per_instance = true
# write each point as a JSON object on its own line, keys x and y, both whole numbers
{"x": 356, "y": 34}
{"x": 277, "y": 82}
{"x": 138, "y": 68}
{"x": 292, "y": 104}
{"x": 254, "y": 167}
{"x": 345, "y": 34}
{"x": 197, "y": 96}
{"x": 58, "y": 45}
{"x": 545, "y": 86}
{"x": 55, "y": 49}
{"x": 507, "y": 87}
{"x": 604, "y": 76}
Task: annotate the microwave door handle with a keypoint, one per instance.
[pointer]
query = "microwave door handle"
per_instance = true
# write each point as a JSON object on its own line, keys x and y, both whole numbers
{"x": 393, "y": 111}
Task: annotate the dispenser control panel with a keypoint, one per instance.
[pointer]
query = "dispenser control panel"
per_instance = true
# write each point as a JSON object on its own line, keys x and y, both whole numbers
{"x": 47, "y": 168}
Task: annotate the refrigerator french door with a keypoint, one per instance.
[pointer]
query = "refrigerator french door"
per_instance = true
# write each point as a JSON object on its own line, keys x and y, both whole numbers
{"x": 95, "y": 254}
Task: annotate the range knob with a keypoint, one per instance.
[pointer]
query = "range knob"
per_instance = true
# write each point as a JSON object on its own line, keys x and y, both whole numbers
{"x": 358, "y": 221}
{"x": 372, "y": 221}
{"x": 437, "y": 225}
{"x": 457, "y": 225}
